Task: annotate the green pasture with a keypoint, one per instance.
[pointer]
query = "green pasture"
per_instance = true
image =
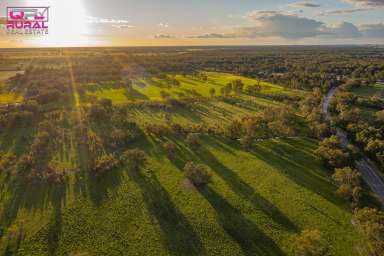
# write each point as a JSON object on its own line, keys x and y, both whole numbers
{"x": 257, "y": 201}
{"x": 369, "y": 90}
{"x": 150, "y": 89}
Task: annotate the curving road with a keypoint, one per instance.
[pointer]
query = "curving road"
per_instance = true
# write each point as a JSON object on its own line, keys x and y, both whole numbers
{"x": 369, "y": 171}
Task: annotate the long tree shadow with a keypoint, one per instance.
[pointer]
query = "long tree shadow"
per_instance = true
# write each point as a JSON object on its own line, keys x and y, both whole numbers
{"x": 300, "y": 172}
{"x": 246, "y": 191}
{"x": 134, "y": 94}
{"x": 177, "y": 233}
{"x": 55, "y": 225}
{"x": 250, "y": 238}
{"x": 35, "y": 197}
{"x": 99, "y": 187}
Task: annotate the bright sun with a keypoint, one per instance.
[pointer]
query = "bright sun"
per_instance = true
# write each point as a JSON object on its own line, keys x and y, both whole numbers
{"x": 67, "y": 25}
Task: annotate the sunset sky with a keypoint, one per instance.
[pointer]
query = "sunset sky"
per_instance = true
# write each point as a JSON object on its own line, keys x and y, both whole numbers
{"x": 203, "y": 22}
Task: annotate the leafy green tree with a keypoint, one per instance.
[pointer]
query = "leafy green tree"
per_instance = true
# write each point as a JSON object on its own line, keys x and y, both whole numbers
{"x": 310, "y": 243}
{"x": 212, "y": 92}
{"x": 171, "y": 149}
{"x": 233, "y": 130}
{"x": 246, "y": 142}
{"x": 237, "y": 86}
{"x": 135, "y": 158}
{"x": 104, "y": 164}
{"x": 197, "y": 174}
{"x": 55, "y": 172}
{"x": 370, "y": 223}
{"x": 193, "y": 141}
{"x": 330, "y": 151}
{"x": 380, "y": 117}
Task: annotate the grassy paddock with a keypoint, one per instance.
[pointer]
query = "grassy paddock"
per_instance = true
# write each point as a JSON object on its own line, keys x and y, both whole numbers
{"x": 4, "y": 75}
{"x": 369, "y": 91}
{"x": 257, "y": 201}
{"x": 149, "y": 89}
{"x": 6, "y": 98}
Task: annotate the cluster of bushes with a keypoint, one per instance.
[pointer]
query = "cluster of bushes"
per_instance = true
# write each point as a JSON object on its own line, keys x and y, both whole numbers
{"x": 348, "y": 181}
{"x": 94, "y": 68}
{"x": 310, "y": 243}
{"x": 46, "y": 85}
{"x": 197, "y": 174}
{"x": 37, "y": 165}
{"x": 345, "y": 177}
{"x": 311, "y": 107}
{"x": 332, "y": 153}
{"x": 370, "y": 223}
{"x": 135, "y": 159}
{"x": 372, "y": 140}
{"x": 374, "y": 102}
{"x": 103, "y": 164}
{"x": 181, "y": 130}
{"x": 367, "y": 132}
{"x": 235, "y": 86}
{"x": 272, "y": 122}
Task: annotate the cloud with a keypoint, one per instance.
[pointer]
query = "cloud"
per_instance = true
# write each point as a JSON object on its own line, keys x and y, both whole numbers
{"x": 97, "y": 20}
{"x": 164, "y": 36}
{"x": 306, "y": 5}
{"x": 343, "y": 30}
{"x": 216, "y": 35}
{"x": 293, "y": 27}
{"x": 106, "y": 23}
{"x": 372, "y": 30}
{"x": 344, "y": 11}
{"x": 163, "y": 25}
{"x": 286, "y": 25}
{"x": 122, "y": 26}
{"x": 369, "y": 3}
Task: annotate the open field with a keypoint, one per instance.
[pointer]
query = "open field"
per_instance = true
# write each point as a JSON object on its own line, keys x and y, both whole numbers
{"x": 92, "y": 166}
{"x": 150, "y": 89}
{"x": 369, "y": 91}
{"x": 4, "y": 75}
{"x": 256, "y": 202}
{"x": 6, "y": 98}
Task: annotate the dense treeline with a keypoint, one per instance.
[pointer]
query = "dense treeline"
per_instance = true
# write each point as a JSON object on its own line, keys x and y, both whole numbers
{"x": 294, "y": 67}
{"x": 367, "y": 131}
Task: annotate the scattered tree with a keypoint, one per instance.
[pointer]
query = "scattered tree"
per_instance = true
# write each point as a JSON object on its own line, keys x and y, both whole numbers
{"x": 135, "y": 158}
{"x": 171, "y": 149}
{"x": 193, "y": 140}
{"x": 197, "y": 174}
{"x": 103, "y": 164}
{"x": 331, "y": 152}
{"x": 212, "y": 92}
{"x": 310, "y": 243}
{"x": 370, "y": 223}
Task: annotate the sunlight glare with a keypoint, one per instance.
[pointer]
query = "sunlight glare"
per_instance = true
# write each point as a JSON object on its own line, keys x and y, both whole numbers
{"x": 67, "y": 25}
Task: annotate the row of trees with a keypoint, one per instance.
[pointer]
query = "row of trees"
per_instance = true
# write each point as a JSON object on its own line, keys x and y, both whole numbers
{"x": 369, "y": 222}
{"x": 367, "y": 131}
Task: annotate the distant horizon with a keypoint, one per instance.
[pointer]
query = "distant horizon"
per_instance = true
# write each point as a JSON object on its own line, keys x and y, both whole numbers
{"x": 195, "y": 46}
{"x": 80, "y": 23}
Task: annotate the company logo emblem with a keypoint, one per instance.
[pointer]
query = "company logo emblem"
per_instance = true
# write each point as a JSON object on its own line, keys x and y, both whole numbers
{"x": 27, "y": 20}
